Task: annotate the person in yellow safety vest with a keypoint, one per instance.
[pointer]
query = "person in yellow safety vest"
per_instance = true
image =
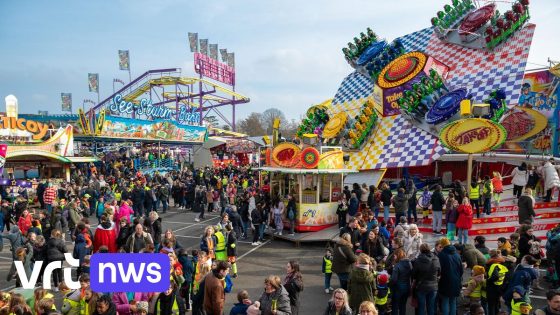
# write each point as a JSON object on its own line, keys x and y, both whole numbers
{"x": 518, "y": 300}
{"x": 167, "y": 302}
{"x": 495, "y": 283}
{"x": 87, "y": 302}
{"x": 474, "y": 196}
{"x": 220, "y": 244}
{"x": 487, "y": 191}
{"x": 383, "y": 292}
{"x": 327, "y": 269}
{"x": 38, "y": 295}
{"x": 476, "y": 286}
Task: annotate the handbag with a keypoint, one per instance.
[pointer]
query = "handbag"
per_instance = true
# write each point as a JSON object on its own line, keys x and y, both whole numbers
{"x": 413, "y": 298}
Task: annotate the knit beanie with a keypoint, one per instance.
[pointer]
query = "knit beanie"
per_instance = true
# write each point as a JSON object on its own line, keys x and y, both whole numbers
{"x": 478, "y": 270}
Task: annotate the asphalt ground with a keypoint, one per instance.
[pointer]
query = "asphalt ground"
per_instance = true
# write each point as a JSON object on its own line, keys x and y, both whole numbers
{"x": 254, "y": 263}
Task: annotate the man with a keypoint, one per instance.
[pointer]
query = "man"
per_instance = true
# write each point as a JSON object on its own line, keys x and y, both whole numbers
{"x": 553, "y": 307}
{"x": 354, "y": 231}
{"x": 40, "y": 191}
{"x": 49, "y": 197}
{"x": 214, "y": 295}
{"x": 139, "y": 240}
{"x": 449, "y": 286}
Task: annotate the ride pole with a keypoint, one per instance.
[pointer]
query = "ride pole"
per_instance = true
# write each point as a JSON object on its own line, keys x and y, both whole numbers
{"x": 469, "y": 172}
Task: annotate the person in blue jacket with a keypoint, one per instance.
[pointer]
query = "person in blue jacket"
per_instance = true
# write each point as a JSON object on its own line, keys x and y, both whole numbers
{"x": 449, "y": 287}
{"x": 188, "y": 273}
{"x": 523, "y": 276}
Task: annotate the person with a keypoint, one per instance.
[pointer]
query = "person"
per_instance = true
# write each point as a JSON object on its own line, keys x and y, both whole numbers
{"x": 386, "y": 197}
{"x": 401, "y": 228}
{"x": 498, "y": 186}
{"x": 278, "y": 211}
{"x": 411, "y": 194}
{"x": 343, "y": 259}
{"x": 55, "y": 252}
{"x": 551, "y": 179}
{"x": 520, "y": 176}
{"x": 256, "y": 219}
{"x": 167, "y": 302}
{"x": 187, "y": 264}
{"x": 221, "y": 240}
{"x": 138, "y": 240}
{"x": 412, "y": 242}
{"x": 327, "y": 269}
{"x": 24, "y": 222}
{"x": 208, "y": 242}
{"x": 526, "y": 239}
{"x": 424, "y": 201}
{"x": 451, "y": 215}
{"x": 464, "y": 220}
{"x": 523, "y": 276}
{"x": 373, "y": 245}
{"x": 353, "y": 206}
{"x": 400, "y": 202}
{"x": 361, "y": 284}
{"x": 553, "y": 304}
{"x": 487, "y": 191}
{"x": 341, "y": 211}
{"x": 126, "y": 302}
{"x": 437, "y": 201}
{"x": 504, "y": 245}
{"x": 231, "y": 246}
{"x": 476, "y": 287}
{"x": 243, "y": 302}
{"x": 526, "y": 204}
{"x": 154, "y": 226}
{"x": 474, "y": 196}
{"x": 105, "y": 235}
{"x": 368, "y": 308}
{"x": 449, "y": 286}
{"x": 214, "y": 295}
{"x": 517, "y": 301}
{"x": 338, "y": 304}
{"x": 105, "y": 306}
{"x": 293, "y": 283}
{"x": 275, "y": 299}
{"x": 382, "y": 293}
{"x": 425, "y": 272}
{"x": 480, "y": 245}
{"x": 374, "y": 197}
{"x": 400, "y": 282}
{"x": 353, "y": 230}
{"x": 494, "y": 284}
{"x": 476, "y": 309}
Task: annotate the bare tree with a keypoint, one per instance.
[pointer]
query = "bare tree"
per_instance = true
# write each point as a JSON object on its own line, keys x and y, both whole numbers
{"x": 268, "y": 117}
{"x": 288, "y": 129}
{"x": 252, "y": 125}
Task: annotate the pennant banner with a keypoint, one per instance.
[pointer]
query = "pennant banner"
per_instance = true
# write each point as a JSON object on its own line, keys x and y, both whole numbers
{"x": 66, "y": 99}
{"x": 93, "y": 82}
{"x": 124, "y": 60}
{"x": 204, "y": 46}
{"x": 193, "y": 41}
{"x": 3, "y": 151}
{"x": 223, "y": 53}
{"x": 213, "y": 51}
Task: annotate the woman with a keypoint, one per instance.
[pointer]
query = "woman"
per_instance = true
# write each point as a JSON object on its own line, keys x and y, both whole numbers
{"x": 293, "y": 283}
{"x": 411, "y": 194}
{"x": 208, "y": 242}
{"x": 400, "y": 282}
{"x": 124, "y": 232}
{"x": 361, "y": 285}
{"x": 425, "y": 273}
{"x": 412, "y": 242}
{"x": 437, "y": 201}
{"x": 519, "y": 180}
{"x": 278, "y": 211}
{"x": 291, "y": 213}
{"x": 154, "y": 226}
{"x": 451, "y": 205}
{"x": 401, "y": 204}
{"x": 464, "y": 221}
{"x": 275, "y": 299}
{"x": 169, "y": 235}
{"x": 368, "y": 308}
{"x": 526, "y": 210}
{"x": 373, "y": 246}
{"x": 373, "y": 200}
{"x": 338, "y": 305}
{"x": 257, "y": 218}
{"x": 55, "y": 252}
{"x": 24, "y": 222}
{"x": 526, "y": 240}
{"x": 125, "y": 211}
{"x": 343, "y": 258}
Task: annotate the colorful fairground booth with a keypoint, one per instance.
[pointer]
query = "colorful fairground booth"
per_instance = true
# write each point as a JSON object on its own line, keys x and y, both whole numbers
{"x": 312, "y": 173}
{"x": 33, "y": 149}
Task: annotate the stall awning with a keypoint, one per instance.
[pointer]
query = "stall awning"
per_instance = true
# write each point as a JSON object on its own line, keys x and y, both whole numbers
{"x": 371, "y": 177}
{"x": 306, "y": 171}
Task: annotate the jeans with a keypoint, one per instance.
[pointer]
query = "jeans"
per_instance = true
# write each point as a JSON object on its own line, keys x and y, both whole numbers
{"x": 343, "y": 278}
{"x": 517, "y": 191}
{"x": 400, "y": 296}
{"x": 256, "y": 233}
{"x": 292, "y": 226}
{"x": 426, "y": 300}
{"x": 487, "y": 208}
{"x": 376, "y": 211}
{"x": 164, "y": 205}
{"x": 463, "y": 236}
{"x": 262, "y": 227}
{"x": 246, "y": 226}
{"x": 49, "y": 209}
{"x": 451, "y": 231}
{"x": 436, "y": 221}
{"x": 412, "y": 212}
{"x": 386, "y": 214}
{"x": 328, "y": 280}
{"x": 448, "y": 305}
{"x": 476, "y": 206}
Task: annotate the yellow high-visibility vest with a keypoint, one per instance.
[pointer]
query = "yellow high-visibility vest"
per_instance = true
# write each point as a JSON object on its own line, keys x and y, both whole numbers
{"x": 502, "y": 273}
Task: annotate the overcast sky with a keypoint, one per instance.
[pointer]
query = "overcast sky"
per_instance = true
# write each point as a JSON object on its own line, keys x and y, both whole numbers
{"x": 288, "y": 53}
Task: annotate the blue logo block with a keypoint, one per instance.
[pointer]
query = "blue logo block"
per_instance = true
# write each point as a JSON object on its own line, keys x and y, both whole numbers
{"x": 130, "y": 272}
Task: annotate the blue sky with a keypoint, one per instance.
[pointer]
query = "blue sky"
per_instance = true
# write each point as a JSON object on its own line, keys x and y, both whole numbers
{"x": 287, "y": 52}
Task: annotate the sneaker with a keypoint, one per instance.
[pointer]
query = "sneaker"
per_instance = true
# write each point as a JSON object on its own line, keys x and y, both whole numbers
{"x": 254, "y": 244}
{"x": 331, "y": 288}
{"x": 259, "y": 243}
{"x": 196, "y": 220}
{"x": 327, "y": 291}
{"x": 292, "y": 234}
{"x": 279, "y": 233}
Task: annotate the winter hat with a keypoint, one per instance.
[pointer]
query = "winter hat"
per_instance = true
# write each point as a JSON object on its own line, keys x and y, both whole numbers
{"x": 142, "y": 306}
{"x": 478, "y": 270}
{"x": 382, "y": 279}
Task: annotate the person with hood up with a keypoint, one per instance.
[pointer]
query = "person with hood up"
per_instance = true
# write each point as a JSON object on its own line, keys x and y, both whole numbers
{"x": 338, "y": 305}
{"x": 275, "y": 299}
{"x": 361, "y": 285}
{"x": 105, "y": 235}
{"x": 400, "y": 202}
{"x": 449, "y": 286}
{"x": 412, "y": 242}
{"x": 425, "y": 272}
{"x": 523, "y": 276}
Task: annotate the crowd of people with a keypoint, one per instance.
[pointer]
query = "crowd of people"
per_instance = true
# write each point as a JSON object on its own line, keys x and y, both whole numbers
{"x": 382, "y": 265}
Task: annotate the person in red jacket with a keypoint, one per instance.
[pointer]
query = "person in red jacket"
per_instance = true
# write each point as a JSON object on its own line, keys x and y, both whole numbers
{"x": 105, "y": 234}
{"x": 24, "y": 222}
{"x": 464, "y": 221}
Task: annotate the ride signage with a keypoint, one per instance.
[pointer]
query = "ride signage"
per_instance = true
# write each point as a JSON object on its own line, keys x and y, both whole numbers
{"x": 146, "y": 108}
{"x": 39, "y": 130}
{"x": 472, "y": 135}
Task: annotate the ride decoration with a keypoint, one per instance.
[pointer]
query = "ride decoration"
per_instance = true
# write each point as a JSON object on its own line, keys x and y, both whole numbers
{"x": 402, "y": 70}
{"x": 361, "y": 126}
{"x": 418, "y": 100}
{"x": 446, "y": 106}
{"x": 451, "y": 15}
{"x": 498, "y": 106}
{"x": 503, "y": 26}
{"x": 356, "y": 48}
{"x": 286, "y": 154}
{"x": 313, "y": 123}
{"x": 523, "y": 123}
{"x": 473, "y": 135}
{"x": 335, "y": 125}
{"x": 310, "y": 157}
{"x": 379, "y": 56}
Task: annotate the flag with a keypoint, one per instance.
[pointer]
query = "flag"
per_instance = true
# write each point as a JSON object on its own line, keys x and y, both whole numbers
{"x": 193, "y": 41}
{"x": 124, "y": 60}
{"x": 213, "y": 51}
{"x": 93, "y": 81}
{"x": 231, "y": 60}
{"x": 223, "y": 53}
{"x": 204, "y": 46}
{"x": 66, "y": 99}
{"x": 3, "y": 151}
{"x": 43, "y": 113}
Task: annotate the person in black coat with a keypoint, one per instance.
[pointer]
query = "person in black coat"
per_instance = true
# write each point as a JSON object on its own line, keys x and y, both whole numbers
{"x": 256, "y": 218}
{"x": 154, "y": 223}
{"x": 354, "y": 231}
{"x": 293, "y": 283}
{"x": 55, "y": 252}
{"x": 80, "y": 251}
{"x": 125, "y": 230}
{"x": 526, "y": 238}
{"x": 449, "y": 287}
{"x": 425, "y": 272}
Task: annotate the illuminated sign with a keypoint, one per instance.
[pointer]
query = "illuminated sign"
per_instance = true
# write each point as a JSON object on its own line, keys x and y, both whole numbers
{"x": 39, "y": 130}
{"x": 472, "y": 135}
{"x": 214, "y": 69}
{"x": 145, "y": 108}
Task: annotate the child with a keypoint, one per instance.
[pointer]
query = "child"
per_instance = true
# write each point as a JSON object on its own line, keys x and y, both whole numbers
{"x": 382, "y": 294}
{"x": 518, "y": 302}
{"x": 71, "y": 300}
{"x": 498, "y": 187}
{"x": 480, "y": 244}
{"x": 424, "y": 202}
{"x": 142, "y": 308}
{"x": 85, "y": 265}
{"x": 504, "y": 245}
{"x": 451, "y": 215}
{"x": 514, "y": 241}
{"x": 476, "y": 287}
{"x": 45, "y": 306}
{"x": 88, "y": 301}
{"x": 240, "y": 308}
{"x": 326, "y": 269}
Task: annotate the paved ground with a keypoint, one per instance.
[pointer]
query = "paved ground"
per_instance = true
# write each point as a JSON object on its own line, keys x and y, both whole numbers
{"x": 254, "y": 263}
